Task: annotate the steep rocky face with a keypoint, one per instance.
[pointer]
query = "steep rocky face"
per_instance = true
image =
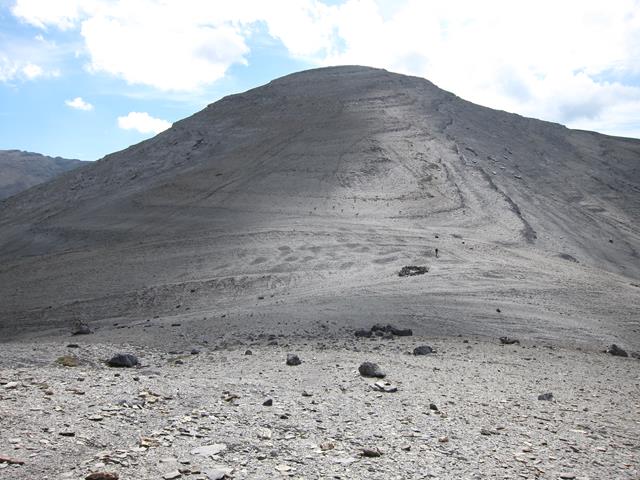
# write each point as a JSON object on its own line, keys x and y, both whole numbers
{"x": 22, "y": 170}
{"x": 320, "y": 186}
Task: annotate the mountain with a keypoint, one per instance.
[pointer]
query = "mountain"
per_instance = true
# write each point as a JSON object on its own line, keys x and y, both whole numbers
{"x": 21, "y": 170}
{"x": 293, "y": 206}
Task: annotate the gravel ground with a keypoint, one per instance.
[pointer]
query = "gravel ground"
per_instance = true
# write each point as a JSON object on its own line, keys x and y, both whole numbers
{"x": 470, "y": 410}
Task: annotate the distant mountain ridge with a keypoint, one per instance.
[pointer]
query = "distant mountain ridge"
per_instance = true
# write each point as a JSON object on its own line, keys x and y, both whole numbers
{"x": 21, "y": 170}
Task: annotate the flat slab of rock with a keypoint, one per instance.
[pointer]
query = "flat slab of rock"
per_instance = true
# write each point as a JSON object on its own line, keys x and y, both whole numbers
{"x": 385, "y": 387}
{"x": 172, "y": 475}
{"x": 209, "y": 450}
{"x": 102, "y": 476}
{"x": 218, "y": 473}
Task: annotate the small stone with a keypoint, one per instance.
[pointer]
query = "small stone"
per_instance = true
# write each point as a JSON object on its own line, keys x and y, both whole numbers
{"x": 293, "y": 360}
{"x": 363, "y": 333}
{"x": 443, "y": 439}
{"x": 371, "y": 452}
{"x": 11, "y": 461}
{"x": 102, "y": 476}
{"x": 172, "y": 475}
{"x": 369, "y": 369}
{"x": 433, "y": 406}
{"x": 11, "y": 386}
{"x": 73, "y": 345}
{"x": 82, "y": 329}
{"x": 283, "y": 468}
{"x": 400, "y": 332}
{"x": 264, "y": 434}
{"x": 412, "y": 270}
{"x": 218, "y": 473}
{"x": 68, "y": 361}
{"x": 616, "y": 351}
{"x": 123, "y": 360}
{"x": 268, "y": 402}
{"x": 67, "y": 434}
{"x": 546, "y": 397}
{"x": 486, "y": 431}
{"x": 509, "y": 341}
{"x": 327, "y": 446}
{"x": 306, "y": 394}
{"x": 248, "y": 352}
{"x": 567, "y": 476}
{"x": 195, "y": 351}
{"x": 422, "y": 350}
{"x": 386, "y": 387}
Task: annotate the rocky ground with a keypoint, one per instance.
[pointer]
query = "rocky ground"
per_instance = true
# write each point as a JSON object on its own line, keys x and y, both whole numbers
{"x": 470, "y": 410}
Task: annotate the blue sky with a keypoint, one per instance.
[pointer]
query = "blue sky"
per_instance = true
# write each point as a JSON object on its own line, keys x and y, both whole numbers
{"x": 83, "y": 78}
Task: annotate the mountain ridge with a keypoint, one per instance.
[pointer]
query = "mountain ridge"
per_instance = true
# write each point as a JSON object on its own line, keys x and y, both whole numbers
{"x": 338, "y": 176}
{"x": 20, "y": 170}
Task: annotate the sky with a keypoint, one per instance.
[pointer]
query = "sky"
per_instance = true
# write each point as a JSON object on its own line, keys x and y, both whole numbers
{"x": 84, "y": 78}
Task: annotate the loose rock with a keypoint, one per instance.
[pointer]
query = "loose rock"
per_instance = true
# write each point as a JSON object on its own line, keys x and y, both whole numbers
{"x": 616, "y": 351}
{"x": 411, "y": 270}
{"x": 422, "y": 350}
{"x": 546, "y": 397}
{"x": 509, "y": 341}
{"x": 371, "y": 452}
{"x": 361, "y": 332}
{"x": 102, "y": 476}
{"x": 384, "y": 387}
{"x": 369, "y": 369}
{"x": 82, "y": 329}
{"x": 293, "y": 360}
{"x": 123, "y": 360}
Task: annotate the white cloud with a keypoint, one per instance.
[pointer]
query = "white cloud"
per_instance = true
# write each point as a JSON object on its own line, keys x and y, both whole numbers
{"x": 567, "y": 61}
{"x": 11, "y": 70}
{"x": 31, "y": 71}
{"x": 79, "y": 104}
{"x": 143, "y": 123}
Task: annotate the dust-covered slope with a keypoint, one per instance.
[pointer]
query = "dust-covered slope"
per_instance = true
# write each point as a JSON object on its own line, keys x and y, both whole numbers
{"x": 21, "y": 170}
{"x": 312, "y": 191}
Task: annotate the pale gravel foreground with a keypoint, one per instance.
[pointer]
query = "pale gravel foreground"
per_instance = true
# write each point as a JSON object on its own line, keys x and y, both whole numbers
{"x": 591, "y": 430}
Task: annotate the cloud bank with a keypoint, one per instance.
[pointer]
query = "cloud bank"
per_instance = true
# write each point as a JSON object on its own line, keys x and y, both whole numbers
{"x": 576, "y": 62}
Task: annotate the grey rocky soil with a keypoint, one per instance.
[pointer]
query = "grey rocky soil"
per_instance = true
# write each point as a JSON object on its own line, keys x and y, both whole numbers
{"x": 204, "y": 417}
